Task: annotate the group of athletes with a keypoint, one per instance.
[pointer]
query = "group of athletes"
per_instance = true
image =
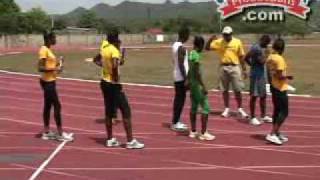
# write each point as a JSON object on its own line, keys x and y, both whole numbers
{"x": 268, "y": 66}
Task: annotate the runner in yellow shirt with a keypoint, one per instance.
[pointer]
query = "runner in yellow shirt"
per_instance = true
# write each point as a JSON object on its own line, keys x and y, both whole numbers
{"x": 279, "y": 86}
{"x": 50, "y": 67}
{"x": 114, "y": 96}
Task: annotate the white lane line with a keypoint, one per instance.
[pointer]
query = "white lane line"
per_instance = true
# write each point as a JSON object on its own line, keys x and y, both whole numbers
{"x": 284, "y": 167}
{"x": 271, "y": 148}
{"x": 47, "y": 161}
{"x": 133, "y": 84}
{"x": 57, "y": 172}
{"x": 135, "y": 169}
{"x": 240, "y": 168}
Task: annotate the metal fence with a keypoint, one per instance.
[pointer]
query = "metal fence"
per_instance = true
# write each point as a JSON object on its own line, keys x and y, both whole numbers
{"x": 93, "y": 40}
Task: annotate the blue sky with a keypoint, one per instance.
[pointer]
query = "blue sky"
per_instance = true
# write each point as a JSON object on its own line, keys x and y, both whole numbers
{"x": 63, "y": 6}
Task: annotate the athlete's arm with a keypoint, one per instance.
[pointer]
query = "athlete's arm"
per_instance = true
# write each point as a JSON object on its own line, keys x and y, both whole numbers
{"x": 181, "y": 57}
{"x": 248, "y": 57}
{"x": 97, "y": 60}
{"x": 115, "y": 70}
{"x": 208, "y": 45}
{"x": 283, "y": 76}
{"x": 42, "y": 66}
{"x": 123, "y": 56}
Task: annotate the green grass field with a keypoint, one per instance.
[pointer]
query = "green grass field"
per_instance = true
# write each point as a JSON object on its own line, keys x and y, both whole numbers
{"x": 154, "y": 66}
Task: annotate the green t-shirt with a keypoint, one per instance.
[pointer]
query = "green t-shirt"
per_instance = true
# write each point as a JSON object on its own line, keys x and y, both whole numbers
{"x": 194, "y": 58}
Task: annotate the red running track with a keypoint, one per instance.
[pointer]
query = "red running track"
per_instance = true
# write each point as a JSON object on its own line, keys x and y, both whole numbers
{"x": 239, "y": 151}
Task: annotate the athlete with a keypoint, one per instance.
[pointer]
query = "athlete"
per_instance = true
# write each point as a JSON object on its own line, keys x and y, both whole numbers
{"x": 256, "y": 59}
{"x": 49, "y": 67}
{"x": 114, "y": 97}
{"x": 199, "y": 93}
{"x": 279, "y": 86}
{"x": 181, "y": 67}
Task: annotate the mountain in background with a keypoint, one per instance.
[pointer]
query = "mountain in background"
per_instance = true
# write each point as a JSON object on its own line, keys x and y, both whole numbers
{"x": 139, "y": 10}
{"x": 138, "y": 16}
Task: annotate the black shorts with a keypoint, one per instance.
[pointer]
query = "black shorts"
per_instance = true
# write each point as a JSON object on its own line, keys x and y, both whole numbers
{"x": 114, "y": 98}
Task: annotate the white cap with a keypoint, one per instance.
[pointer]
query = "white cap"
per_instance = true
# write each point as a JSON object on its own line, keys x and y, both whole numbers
{"x": 227, "y": 30}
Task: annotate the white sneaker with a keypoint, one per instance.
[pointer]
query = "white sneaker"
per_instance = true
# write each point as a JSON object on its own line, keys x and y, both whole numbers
{"x": 267, "y": 119}
{"x": 283, "y": 138}
{"x": 112, "y": 143}
{"x": 179, "y": 126}
{"x": 134, "y": 144}
{"x": 48, "y": 136}
{"x": 255, "y": 122}
{"x": 242, "y": 113}
{"x": 226, "y": 113}
{"x": 193, "y": 135}
{"x": 206, "y": 137}
{"x": 274, "y": 139}
{"x": 65, "y": 137}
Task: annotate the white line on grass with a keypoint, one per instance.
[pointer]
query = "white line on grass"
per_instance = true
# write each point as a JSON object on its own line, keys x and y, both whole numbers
{"x": 47, "y": 161}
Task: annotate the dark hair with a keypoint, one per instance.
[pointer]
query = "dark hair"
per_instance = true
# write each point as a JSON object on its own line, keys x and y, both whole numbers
{"x": 184, "y": 33}
{"x": 198, "y": 43}
{"x": 265, "y": 38}
{"x": 279, "y": 45}
{"x": 113, "y": 36}
{"x": 47, "y": 35}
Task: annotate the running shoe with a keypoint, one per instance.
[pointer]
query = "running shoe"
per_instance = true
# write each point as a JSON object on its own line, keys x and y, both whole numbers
{"x": 242, "y": 113}
{"x": 134, "y": 144}
{"x": 255, "y": 122}
{"x": 274, "y": 139}
{"x": 207, "y": 137}
{"x": 112, "y": 143}
{"x": 48, "y": 136}
{"x": 65, "y": 137}
{"x": 193, "y": 135}
{"x": 267, "y": 119}
{"x": 283, "y": 138}
{"x": 179, "y": 126}
{"x": 226, "y": 113}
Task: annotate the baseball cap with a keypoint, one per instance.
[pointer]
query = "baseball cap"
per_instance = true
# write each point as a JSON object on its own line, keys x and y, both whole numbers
{"x": 227, "y": 30}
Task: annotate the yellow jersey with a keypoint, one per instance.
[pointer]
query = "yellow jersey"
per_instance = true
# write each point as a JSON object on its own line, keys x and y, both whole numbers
{"x": 108, "y": 53}
{"x": 229, "y": 52}
{"x": 104, "y": 44}
{"x": 46, "y": 54}
{"x": 277, "y": 63}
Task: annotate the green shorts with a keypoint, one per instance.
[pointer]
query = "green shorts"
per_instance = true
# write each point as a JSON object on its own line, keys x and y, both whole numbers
{"x": 198, "y": 98}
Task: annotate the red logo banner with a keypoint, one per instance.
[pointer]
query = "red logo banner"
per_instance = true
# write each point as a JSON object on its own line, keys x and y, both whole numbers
{"x": 294, "y": 7}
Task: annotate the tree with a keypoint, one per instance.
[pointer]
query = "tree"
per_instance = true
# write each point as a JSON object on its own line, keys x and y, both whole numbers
{"x": 8, "y": 6}
{"x": 36, "y": 21}
{"x": 60, "y": 23}
{"x": 9, "y": 12}
{"x": 88, "y": 20}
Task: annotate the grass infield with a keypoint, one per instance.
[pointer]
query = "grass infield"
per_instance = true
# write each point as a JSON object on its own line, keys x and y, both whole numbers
{"x": 154, "y": 66}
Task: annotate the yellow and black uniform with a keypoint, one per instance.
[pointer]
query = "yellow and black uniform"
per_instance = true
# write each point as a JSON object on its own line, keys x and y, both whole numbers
{"x": 279, "y": 88}
{"x": 114, "y": 96}
{"x": 230, "y": 71}
{"x": 48, "y": 84}
{"x": 51, "y": 62}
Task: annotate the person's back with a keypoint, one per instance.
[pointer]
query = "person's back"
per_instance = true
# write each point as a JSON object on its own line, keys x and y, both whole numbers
{"x": 193, "y": 60}
{"x": 175, "y": 55}
{"x": 180, "y": 71}
{"x": 258, "y": 69}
